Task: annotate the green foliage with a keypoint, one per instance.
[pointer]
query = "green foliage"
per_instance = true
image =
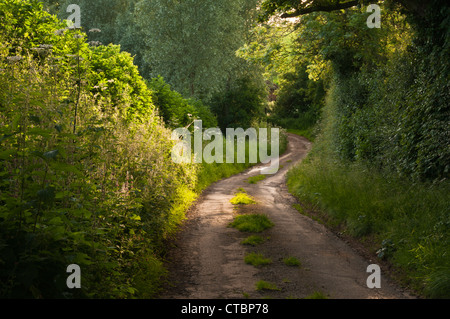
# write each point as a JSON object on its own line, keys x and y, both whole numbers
{"x": 192, "y": 43}
{"x": 117, "y": 24}
{"x": 299, "y": 102}
{"x": 253, "y": 240}
{"x": 405, "y": 221}
{"x": 176, "y": 110}
{"x": 299, "y": 92}
{"x": 114, "y": 77}
{"x": 317, "y": 295}
{"x": 292, "y": 261}
{"x": 257, "y": 259}
{"x": 299, "y": 96}
{"x": 239, "y": 105}
{"x": 25, "y": 25}
{"x": 242, "y": 199}
{"x": 85, "y": 172}
{"x": 265, "y": 285}
{"x": 389, "y": 112}
{"x": 253, "y": 223}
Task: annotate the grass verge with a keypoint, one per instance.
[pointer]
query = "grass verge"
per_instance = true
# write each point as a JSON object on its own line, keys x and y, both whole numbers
{"x": 406, "y": 224}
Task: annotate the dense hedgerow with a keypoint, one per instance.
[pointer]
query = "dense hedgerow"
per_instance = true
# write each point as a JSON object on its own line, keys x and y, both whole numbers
{"x": 379, "y": 168}
{"x": 86, "y": 175}
{"x": 176, "y": 110}
{"x": 85, "y": 170}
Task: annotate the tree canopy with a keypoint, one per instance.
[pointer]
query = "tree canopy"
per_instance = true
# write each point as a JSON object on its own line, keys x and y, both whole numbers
{"x": 295, "y": 8}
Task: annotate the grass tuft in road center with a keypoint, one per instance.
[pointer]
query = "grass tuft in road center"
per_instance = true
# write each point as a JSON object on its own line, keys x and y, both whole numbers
{"x": 253, "y": 223}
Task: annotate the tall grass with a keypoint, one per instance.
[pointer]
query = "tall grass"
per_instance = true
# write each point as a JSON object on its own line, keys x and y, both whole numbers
{"x": 405, "y": 222}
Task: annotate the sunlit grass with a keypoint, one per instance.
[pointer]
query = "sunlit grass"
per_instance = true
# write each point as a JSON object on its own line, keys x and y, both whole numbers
{"x": 404, "y": 223}
{"x": 242, "y": 199}
{"x": 254, "y": 223}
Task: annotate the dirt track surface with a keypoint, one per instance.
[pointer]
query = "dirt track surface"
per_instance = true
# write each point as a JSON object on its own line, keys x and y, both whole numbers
{"x": 207, "y": 261}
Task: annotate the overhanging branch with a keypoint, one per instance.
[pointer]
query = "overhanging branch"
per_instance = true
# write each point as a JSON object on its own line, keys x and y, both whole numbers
{"x": 329, "y": 8}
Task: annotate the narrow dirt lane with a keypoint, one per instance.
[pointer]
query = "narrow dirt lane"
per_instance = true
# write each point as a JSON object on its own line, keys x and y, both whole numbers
{"x": 207, "y": 261}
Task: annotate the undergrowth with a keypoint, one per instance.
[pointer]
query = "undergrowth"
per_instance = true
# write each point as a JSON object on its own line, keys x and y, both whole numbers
{"x": 404, "y": 222}
{"x": 86, "y": 175}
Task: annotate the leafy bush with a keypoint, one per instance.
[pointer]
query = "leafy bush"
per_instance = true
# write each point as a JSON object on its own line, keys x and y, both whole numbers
{"x": 240, "y": 105}
{"x": 292, "y": 261}
{"x": 85, "y": 173}
{"x": 299, "y": 97}
{"x": 176, "y": 110}
{"x": 392, "y": 100}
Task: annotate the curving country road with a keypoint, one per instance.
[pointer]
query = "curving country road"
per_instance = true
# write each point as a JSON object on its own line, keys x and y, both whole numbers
{"x": 207, "y": 260}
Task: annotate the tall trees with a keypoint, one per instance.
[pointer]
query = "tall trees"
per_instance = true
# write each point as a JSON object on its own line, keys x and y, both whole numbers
{"x": 192, "y": 43}
{"x": 115, "y": 20}
{"x": 391, "y": 102}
